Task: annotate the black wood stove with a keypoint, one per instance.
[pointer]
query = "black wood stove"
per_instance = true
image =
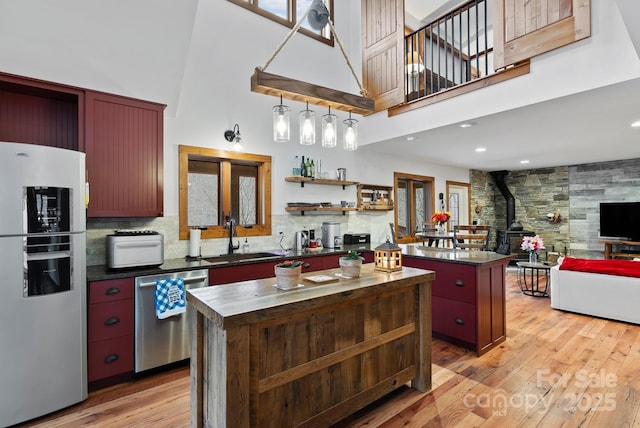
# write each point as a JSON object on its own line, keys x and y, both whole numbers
{"x": 508, "y": 240}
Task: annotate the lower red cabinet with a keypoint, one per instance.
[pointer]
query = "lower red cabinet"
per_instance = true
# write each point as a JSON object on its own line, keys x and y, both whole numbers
{"x": 453, "y": 318}
{"x": 468, "y": 301}
{"x": 110, "y": 328}
{"x": 110, "y": 357}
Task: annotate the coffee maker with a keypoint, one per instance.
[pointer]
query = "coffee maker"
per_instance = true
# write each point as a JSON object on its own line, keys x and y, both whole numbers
{"x": 331, "y": 234}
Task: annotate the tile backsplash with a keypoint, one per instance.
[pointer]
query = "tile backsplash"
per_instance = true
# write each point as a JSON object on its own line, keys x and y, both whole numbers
{"x": 377, "y": 224}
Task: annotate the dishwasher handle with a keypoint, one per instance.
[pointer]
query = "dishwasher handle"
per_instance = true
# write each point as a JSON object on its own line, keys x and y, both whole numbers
{"x": 186, "y": 281}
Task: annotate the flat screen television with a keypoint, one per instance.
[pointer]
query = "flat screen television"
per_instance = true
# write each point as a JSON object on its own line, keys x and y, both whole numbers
{"x": 620, "y": 220}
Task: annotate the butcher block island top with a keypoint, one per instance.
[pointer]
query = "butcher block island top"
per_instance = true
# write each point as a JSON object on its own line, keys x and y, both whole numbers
{"x": 263, "y": 357}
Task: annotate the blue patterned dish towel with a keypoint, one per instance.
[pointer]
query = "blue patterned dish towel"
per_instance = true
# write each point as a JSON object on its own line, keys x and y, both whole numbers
{"x": 170, "y": 298}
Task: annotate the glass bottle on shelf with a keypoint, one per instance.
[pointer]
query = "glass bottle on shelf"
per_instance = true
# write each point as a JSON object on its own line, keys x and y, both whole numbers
{"x": 296, "y": 165}
{"x": 303, "y": 168}
{"x": 313, "y": 169}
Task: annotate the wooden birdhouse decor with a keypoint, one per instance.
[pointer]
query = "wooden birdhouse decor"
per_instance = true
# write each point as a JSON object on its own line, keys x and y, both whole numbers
{"x": 388, "y": 257}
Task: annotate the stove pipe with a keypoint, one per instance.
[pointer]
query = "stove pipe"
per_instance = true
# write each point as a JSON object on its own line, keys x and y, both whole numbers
{"x": 498, "y": 177}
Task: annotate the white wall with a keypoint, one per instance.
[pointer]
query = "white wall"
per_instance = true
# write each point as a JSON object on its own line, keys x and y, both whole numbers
{"x": 197, "y": 57}
{"x": 607, "y": 57}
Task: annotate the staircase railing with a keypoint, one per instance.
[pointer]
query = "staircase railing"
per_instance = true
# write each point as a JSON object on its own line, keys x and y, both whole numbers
{"x": 454, "y": 49}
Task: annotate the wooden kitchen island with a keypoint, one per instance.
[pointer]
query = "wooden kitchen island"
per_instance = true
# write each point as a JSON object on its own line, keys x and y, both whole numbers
{"x": 262, "y": 357}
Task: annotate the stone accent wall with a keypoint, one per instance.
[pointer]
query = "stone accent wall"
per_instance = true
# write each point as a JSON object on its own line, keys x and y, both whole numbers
{"x": 573, "y": 191}
{"x": 590, "y": 184}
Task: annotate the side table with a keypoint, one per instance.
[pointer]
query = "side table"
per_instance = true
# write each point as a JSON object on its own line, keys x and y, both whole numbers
{"x": 529, "y": 275}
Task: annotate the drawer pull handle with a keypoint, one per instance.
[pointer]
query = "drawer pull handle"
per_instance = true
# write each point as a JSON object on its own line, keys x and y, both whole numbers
{"x": 111, "y": 321}
{"x": 111, "y": 358}
{"x": 111, "y": 291}
{"x": 459, "y": 321}
{"x": 459, "y": 283}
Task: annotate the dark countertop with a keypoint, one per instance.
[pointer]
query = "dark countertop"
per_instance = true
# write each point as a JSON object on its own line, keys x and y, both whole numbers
{"x": 102, "y": 272}
{"x": 452, "y": 255}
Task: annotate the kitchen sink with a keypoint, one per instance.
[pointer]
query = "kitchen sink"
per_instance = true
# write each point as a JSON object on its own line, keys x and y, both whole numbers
{"x": 226, "y": 258}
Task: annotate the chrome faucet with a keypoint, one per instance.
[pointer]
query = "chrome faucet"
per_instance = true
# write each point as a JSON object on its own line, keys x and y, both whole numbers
{"x": 230, "y": 224}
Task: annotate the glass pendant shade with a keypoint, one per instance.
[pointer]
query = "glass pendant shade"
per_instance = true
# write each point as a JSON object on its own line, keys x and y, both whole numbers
{"x": 350, "y": 137}
{"x": 329, "y": 130}
{"x": 281, "y": 123}
{"x": 307, "y": 127}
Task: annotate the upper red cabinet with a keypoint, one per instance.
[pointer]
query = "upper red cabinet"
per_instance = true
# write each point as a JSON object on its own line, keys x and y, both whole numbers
{"x": 124, "y": 146}
{"x": 122, "y": 137}
{"x": 37, "y": 112}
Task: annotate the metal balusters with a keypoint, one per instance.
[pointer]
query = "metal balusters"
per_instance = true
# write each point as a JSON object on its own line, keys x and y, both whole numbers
{"x": 442, "y": 61}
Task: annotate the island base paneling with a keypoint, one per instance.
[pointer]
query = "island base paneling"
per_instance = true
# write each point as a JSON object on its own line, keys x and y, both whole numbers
{"x": 316, "y": 362}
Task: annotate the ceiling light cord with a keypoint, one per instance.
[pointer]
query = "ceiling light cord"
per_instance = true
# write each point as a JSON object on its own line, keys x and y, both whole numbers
{"x": 363, "y": 91}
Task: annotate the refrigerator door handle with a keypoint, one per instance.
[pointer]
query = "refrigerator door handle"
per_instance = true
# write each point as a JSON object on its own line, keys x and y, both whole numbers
{"x": 49, "y": 256}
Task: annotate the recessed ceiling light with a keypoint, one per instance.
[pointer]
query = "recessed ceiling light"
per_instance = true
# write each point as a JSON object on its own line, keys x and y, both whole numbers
{"x": 467, "y": 124}
{"x": 411, "y": 138}
{"x": 524, "y": 161}
{"x": 481, "y": 149}
{"x": 636, "y": 124}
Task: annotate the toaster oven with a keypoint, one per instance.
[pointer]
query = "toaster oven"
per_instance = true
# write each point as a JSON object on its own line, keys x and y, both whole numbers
{"x": 134, "y": 248}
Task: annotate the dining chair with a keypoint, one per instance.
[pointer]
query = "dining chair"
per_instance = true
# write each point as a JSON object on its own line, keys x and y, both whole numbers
{"x": 471, "y": 237}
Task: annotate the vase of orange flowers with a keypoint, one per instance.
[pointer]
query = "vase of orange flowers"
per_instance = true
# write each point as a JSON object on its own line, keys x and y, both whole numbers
{"x": 440, "y": 218}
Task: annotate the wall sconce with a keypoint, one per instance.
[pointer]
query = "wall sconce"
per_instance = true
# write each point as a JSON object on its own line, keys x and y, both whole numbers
{"x": 350, "y": 133}
{"x": 307, "y": 127}
{"x": 234, "y": 135}
{"x": 281, "y": 123}
{"x": 329, "y": 129}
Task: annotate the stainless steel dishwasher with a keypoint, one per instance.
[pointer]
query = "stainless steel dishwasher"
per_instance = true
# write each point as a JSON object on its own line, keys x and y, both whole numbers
{"x": 159, "y": 342}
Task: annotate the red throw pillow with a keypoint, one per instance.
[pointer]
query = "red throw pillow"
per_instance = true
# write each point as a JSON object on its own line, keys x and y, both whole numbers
{"x": 608, "y": 267}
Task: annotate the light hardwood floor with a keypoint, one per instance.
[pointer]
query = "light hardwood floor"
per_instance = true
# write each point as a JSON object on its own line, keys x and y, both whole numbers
{"x": 555, "y": 369}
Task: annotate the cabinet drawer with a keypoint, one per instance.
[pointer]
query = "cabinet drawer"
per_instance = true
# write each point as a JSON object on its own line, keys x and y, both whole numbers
{"x": 311, "y": 264}
{"x": 228, "y": 274}
{"x": 110, "y": 290}
{"x": 110, "y": 357}
{"x": 110, "y": 320}
{"x": 455, "y": 319}
{"x": 455, "y": 282}
{"x": 332, "y": 261}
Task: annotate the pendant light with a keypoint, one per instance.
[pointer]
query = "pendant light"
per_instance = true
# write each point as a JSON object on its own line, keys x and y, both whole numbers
{"x": 329, "y": 129}
{"x": 350, "y": 133}
{"x": 307, "y": 127}
{"x": 281, "y": 123}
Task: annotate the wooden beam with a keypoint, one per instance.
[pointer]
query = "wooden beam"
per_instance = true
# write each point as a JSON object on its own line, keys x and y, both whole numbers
{"x": 296, "y": 90}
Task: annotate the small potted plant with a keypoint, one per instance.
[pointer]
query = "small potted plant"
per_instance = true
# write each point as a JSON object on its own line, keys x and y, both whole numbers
{"x": 288, "y": 274}
{"x": 350, "y": 264}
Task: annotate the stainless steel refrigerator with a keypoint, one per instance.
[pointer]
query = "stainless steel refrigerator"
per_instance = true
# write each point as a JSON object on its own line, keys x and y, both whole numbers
{"x": 43, "y": 364}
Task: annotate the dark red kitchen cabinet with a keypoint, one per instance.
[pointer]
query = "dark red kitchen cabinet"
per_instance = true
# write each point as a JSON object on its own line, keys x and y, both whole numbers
{"x": 37, "y": 112}
{"x": 110, "y": 357}
{"x": 310, "y": 264}
{"x": 331, "y": 261}
{"x": 240, "y": 272}
{"x": 468, "y": 301}
{"x": 110, "y": 328}
{"x": 124, "y": 146}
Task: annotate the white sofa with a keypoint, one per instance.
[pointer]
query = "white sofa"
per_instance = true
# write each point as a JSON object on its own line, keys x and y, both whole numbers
{"x": 607, "y": 296}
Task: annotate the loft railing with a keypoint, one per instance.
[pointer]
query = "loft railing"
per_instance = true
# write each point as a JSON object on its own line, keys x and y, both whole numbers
{"x": 454, "y": 49}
